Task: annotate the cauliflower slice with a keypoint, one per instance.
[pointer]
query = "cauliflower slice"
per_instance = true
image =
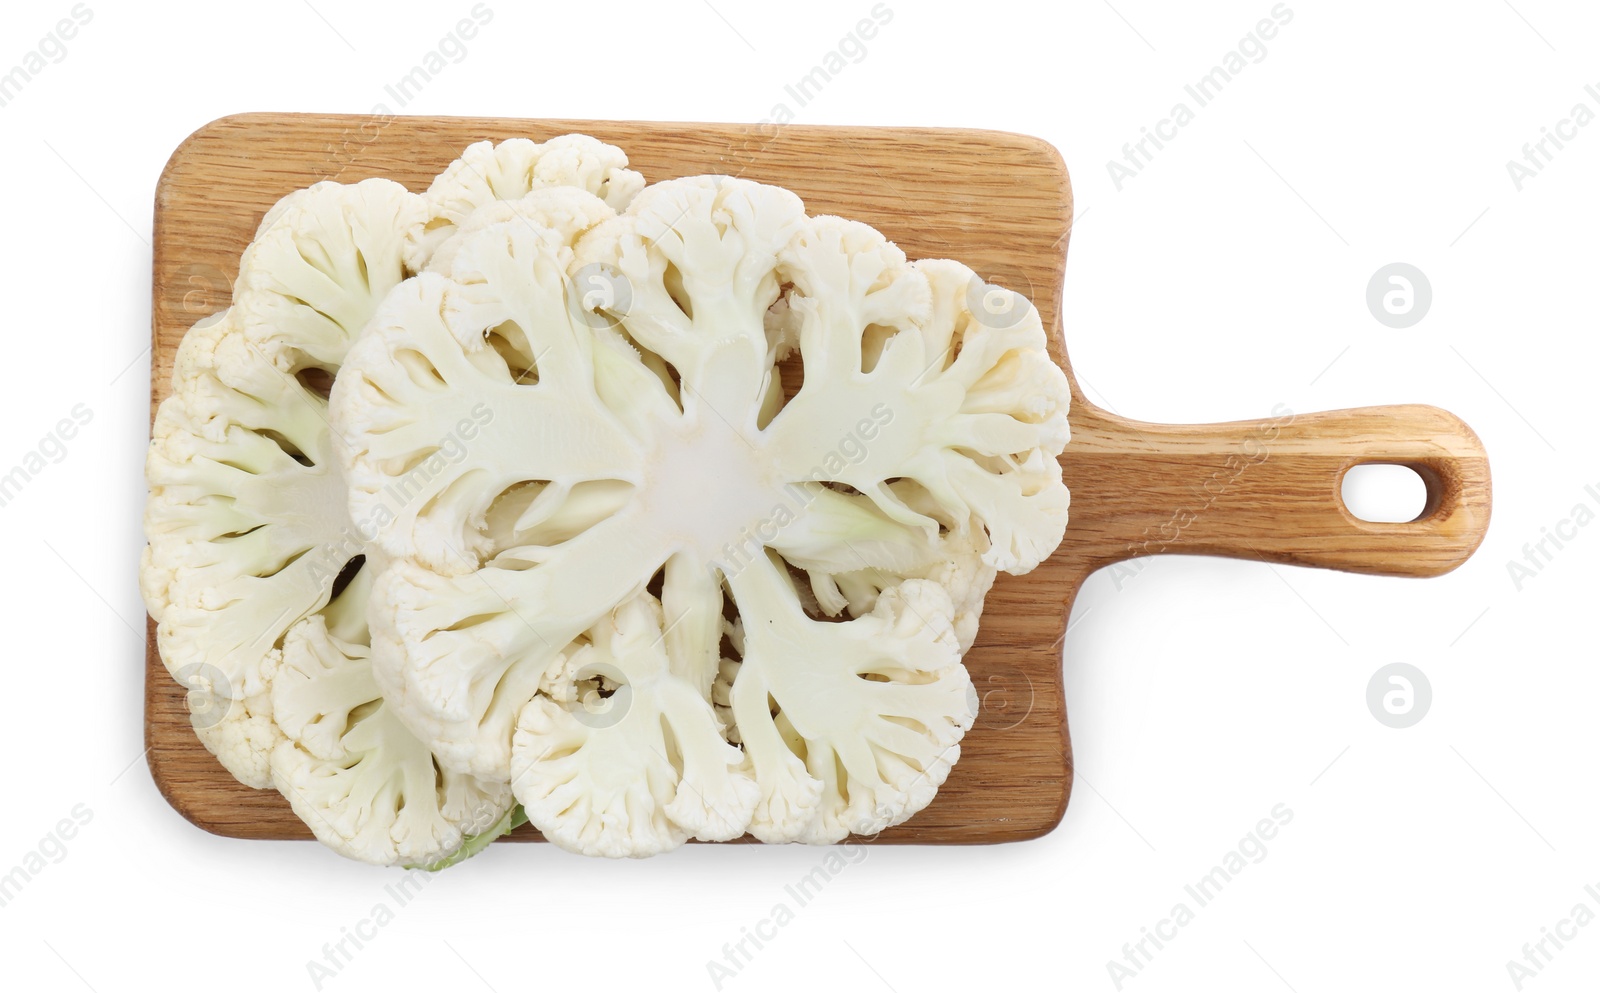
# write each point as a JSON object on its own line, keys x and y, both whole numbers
{"x": 247, "y": 516}
{"x": 249, "y": 531}
{"x": 646, "y": 441}
{"x": 245, "y": 501}
{"x": 487, "y": 172}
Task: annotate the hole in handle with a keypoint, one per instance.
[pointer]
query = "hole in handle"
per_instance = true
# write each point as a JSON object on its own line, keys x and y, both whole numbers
{"x": 1387, "y": 493}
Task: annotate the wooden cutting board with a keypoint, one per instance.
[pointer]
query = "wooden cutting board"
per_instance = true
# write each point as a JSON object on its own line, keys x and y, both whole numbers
{"x": 1002, "y": 204}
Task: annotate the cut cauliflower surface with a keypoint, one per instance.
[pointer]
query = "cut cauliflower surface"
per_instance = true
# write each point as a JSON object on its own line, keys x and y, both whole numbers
{"x": 255, "y": 571}
{"x": 627, "y": 482}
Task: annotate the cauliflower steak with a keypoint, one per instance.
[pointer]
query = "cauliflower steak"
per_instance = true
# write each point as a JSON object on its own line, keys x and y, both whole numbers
{"x": 688, "y": 513}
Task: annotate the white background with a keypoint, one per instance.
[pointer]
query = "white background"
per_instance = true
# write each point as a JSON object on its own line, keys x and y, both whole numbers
{"x": 1228, "y": 276}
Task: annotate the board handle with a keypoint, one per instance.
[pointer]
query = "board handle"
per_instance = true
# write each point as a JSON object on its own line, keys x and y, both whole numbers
{"x": 1269, "y": 489}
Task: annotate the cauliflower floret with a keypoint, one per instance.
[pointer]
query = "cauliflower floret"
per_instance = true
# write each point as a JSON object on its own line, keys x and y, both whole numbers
{"x": 566, "y": 210}
{"x": 487, "y": 172}
{"x": 320, "y": 262}
{"x": 637, "y": 772}
{"x": 238, "y": 730}
{"x": 870, "y": 712}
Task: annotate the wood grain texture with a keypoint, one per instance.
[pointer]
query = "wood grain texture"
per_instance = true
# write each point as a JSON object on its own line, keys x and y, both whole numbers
{"x": 1000, "y": 203}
